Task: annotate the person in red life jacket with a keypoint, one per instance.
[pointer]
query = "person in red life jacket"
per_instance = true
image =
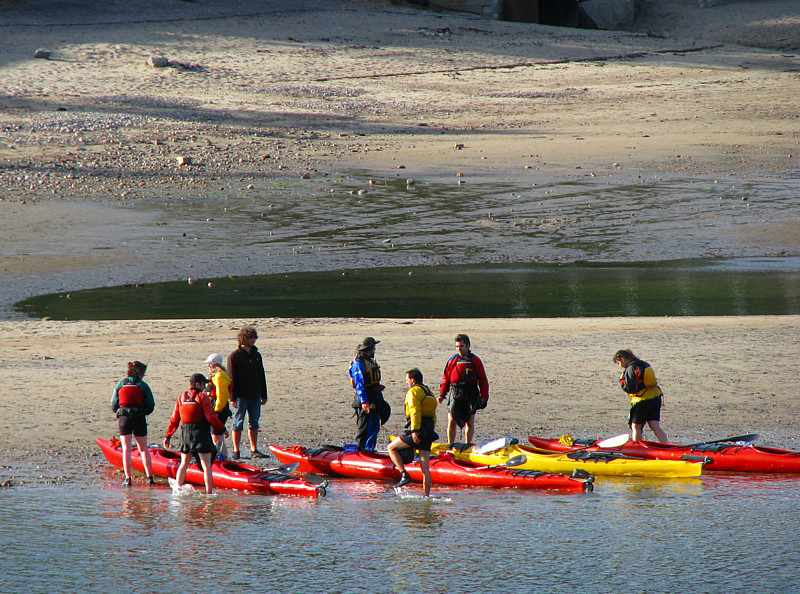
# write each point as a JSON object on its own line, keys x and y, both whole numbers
{"x": 420, "y": 409}
{"x": 194, "y": 412}
{"x": 371, "y": 410}
{"x": 133, "y": 401}
{"x": 248, "y": 389}
{"x": 638, "y": 380}
{"x": 465, "y": 378}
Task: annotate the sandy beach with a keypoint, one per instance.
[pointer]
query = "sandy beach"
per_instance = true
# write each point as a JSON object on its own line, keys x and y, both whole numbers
{"x": 111, "y": 167}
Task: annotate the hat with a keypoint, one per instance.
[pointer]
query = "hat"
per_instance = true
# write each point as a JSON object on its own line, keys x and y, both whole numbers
{"x": 367, "y": 343}
{"x": 197, "y": 378}
{"x": 214, "y": 359}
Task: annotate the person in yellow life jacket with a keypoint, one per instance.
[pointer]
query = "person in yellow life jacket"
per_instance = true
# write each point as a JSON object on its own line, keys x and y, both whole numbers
{"x": 638, "y": 380}
{"x": 219, "y": 389}
{"x": 420, "y": 408}
{"x": 194, "y": 412}
{"x": 132, "y": 402}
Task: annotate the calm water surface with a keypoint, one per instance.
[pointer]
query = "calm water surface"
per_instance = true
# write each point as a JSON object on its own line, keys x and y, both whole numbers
{"x": 718, "y": 533}
{"x": 736, "y": 286}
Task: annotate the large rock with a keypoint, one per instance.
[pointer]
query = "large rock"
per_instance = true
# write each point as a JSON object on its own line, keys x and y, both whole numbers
{"x": 608, "y": 14}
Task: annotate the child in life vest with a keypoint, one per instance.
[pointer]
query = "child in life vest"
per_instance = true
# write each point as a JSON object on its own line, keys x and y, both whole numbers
{"x": 194, "y": 413}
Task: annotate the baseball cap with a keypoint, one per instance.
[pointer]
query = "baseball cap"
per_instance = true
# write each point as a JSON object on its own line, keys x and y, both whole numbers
{"x": 214, "y": 359}
{"x": 197, "y": 378}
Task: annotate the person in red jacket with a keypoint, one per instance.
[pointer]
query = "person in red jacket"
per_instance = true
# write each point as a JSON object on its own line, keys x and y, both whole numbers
{"x": 194, "y": 412}
{"x": 465, "y": 377}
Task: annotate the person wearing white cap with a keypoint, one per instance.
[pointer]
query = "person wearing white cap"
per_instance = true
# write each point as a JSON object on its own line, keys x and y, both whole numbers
{"x": 219, "y": 387}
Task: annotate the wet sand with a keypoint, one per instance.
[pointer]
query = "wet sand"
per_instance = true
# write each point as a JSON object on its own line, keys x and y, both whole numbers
{"x": 547, "y": 377}
{"x": 102, "y": 158}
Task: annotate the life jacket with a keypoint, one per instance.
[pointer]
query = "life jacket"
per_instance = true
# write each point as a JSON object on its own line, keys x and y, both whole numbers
{"x": 372, "y": 375}
{"x": 191, "y": 410}
{"x": 130, "y": 396}
{"x": 428, "y": 404}
{"x": 465, "y": 382}
{"x": 646, "y": 385}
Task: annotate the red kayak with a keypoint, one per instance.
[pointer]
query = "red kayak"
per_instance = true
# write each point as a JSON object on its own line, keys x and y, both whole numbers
{"x": 227, "y": 474}
{"x": 730, "y": 457}
{"x": 445, "y": 470}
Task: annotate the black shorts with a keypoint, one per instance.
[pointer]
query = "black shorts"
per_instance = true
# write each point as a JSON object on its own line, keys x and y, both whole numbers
{"x": 462, "y": 409}
{"x": 644, "y": 411}
{"x": 133, "y": 424}
{"x": 427, "y": 435}
{"x": 424, "y": 444}
{"x": 223, "y": 416}
{"x": 196, "y": 438}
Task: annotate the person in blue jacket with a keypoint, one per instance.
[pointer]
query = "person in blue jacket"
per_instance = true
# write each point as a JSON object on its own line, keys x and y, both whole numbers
{"x": 371, "y": 410}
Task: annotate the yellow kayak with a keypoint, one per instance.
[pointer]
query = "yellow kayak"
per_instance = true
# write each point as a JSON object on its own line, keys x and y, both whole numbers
{"x": 597, "y": 463}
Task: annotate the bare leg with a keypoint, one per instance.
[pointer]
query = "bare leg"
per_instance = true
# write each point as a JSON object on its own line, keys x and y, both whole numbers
{"x": 655, "y": 426}
{"x": 636, "y": 431}
{"x": 180, "y": 475}
{"x": 141, "y": 441}
{"x": 394, "y": 453}
{"x": 470, "y": 429}
{"x": 452, "y": 429}
{"x": 208, "y": 479}
{"x": 125, "y": 440}
{"x": 424, "y": 462}
{"x": 253, "y": 435}
{"x": 237, "y": 440}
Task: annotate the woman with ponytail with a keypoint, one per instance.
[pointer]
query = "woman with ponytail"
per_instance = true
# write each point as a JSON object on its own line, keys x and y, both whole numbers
{"x": 133, "y": 401}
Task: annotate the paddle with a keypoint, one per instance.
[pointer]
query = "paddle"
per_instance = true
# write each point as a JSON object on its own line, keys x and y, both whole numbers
{"x": 510, "y": 463}
{"x": 749, "y": 438}
{"x": 496, "y": 444}
{"x": 315, "y": 479}
{"x": 611, "y": 442}
{"x": 283, "y": 469}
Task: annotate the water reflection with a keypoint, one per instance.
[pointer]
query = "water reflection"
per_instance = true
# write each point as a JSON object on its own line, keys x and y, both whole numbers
{"x": 210, "y": 512}
{"x": 138, "y": 506}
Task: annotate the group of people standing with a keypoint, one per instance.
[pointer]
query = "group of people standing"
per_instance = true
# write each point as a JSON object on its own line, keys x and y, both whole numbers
{"x": 202, "y": 411}
{"x": 464, "y": 382}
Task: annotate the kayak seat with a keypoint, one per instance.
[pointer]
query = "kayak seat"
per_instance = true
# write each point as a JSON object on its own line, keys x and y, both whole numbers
{"x": 583, "y": 442}
{"x": 598, "y": 456}
{"x": 711, "y": 447}
{"x": 329, "y": 448}
{"x": 273, "y": 477}
{"x": 460, "y": 446}
{"x": 322, "y": 450}
{"x": 231, "y": 466}
{"x": 533, "y": 473}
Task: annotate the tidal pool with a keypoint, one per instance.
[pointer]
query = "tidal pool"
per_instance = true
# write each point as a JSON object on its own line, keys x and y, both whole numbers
{"x": 753, "y": 286}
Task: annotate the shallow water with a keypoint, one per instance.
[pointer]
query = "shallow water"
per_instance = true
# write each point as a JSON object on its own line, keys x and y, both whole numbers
{"x": 745, "y": 286}
{"x": 326, "y": 224}
{"x": 719, "y": 533}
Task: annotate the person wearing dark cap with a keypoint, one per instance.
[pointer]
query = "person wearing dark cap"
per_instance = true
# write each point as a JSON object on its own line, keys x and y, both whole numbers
{"x": 371, "y": 410}
{"x": 194, "y": 412}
